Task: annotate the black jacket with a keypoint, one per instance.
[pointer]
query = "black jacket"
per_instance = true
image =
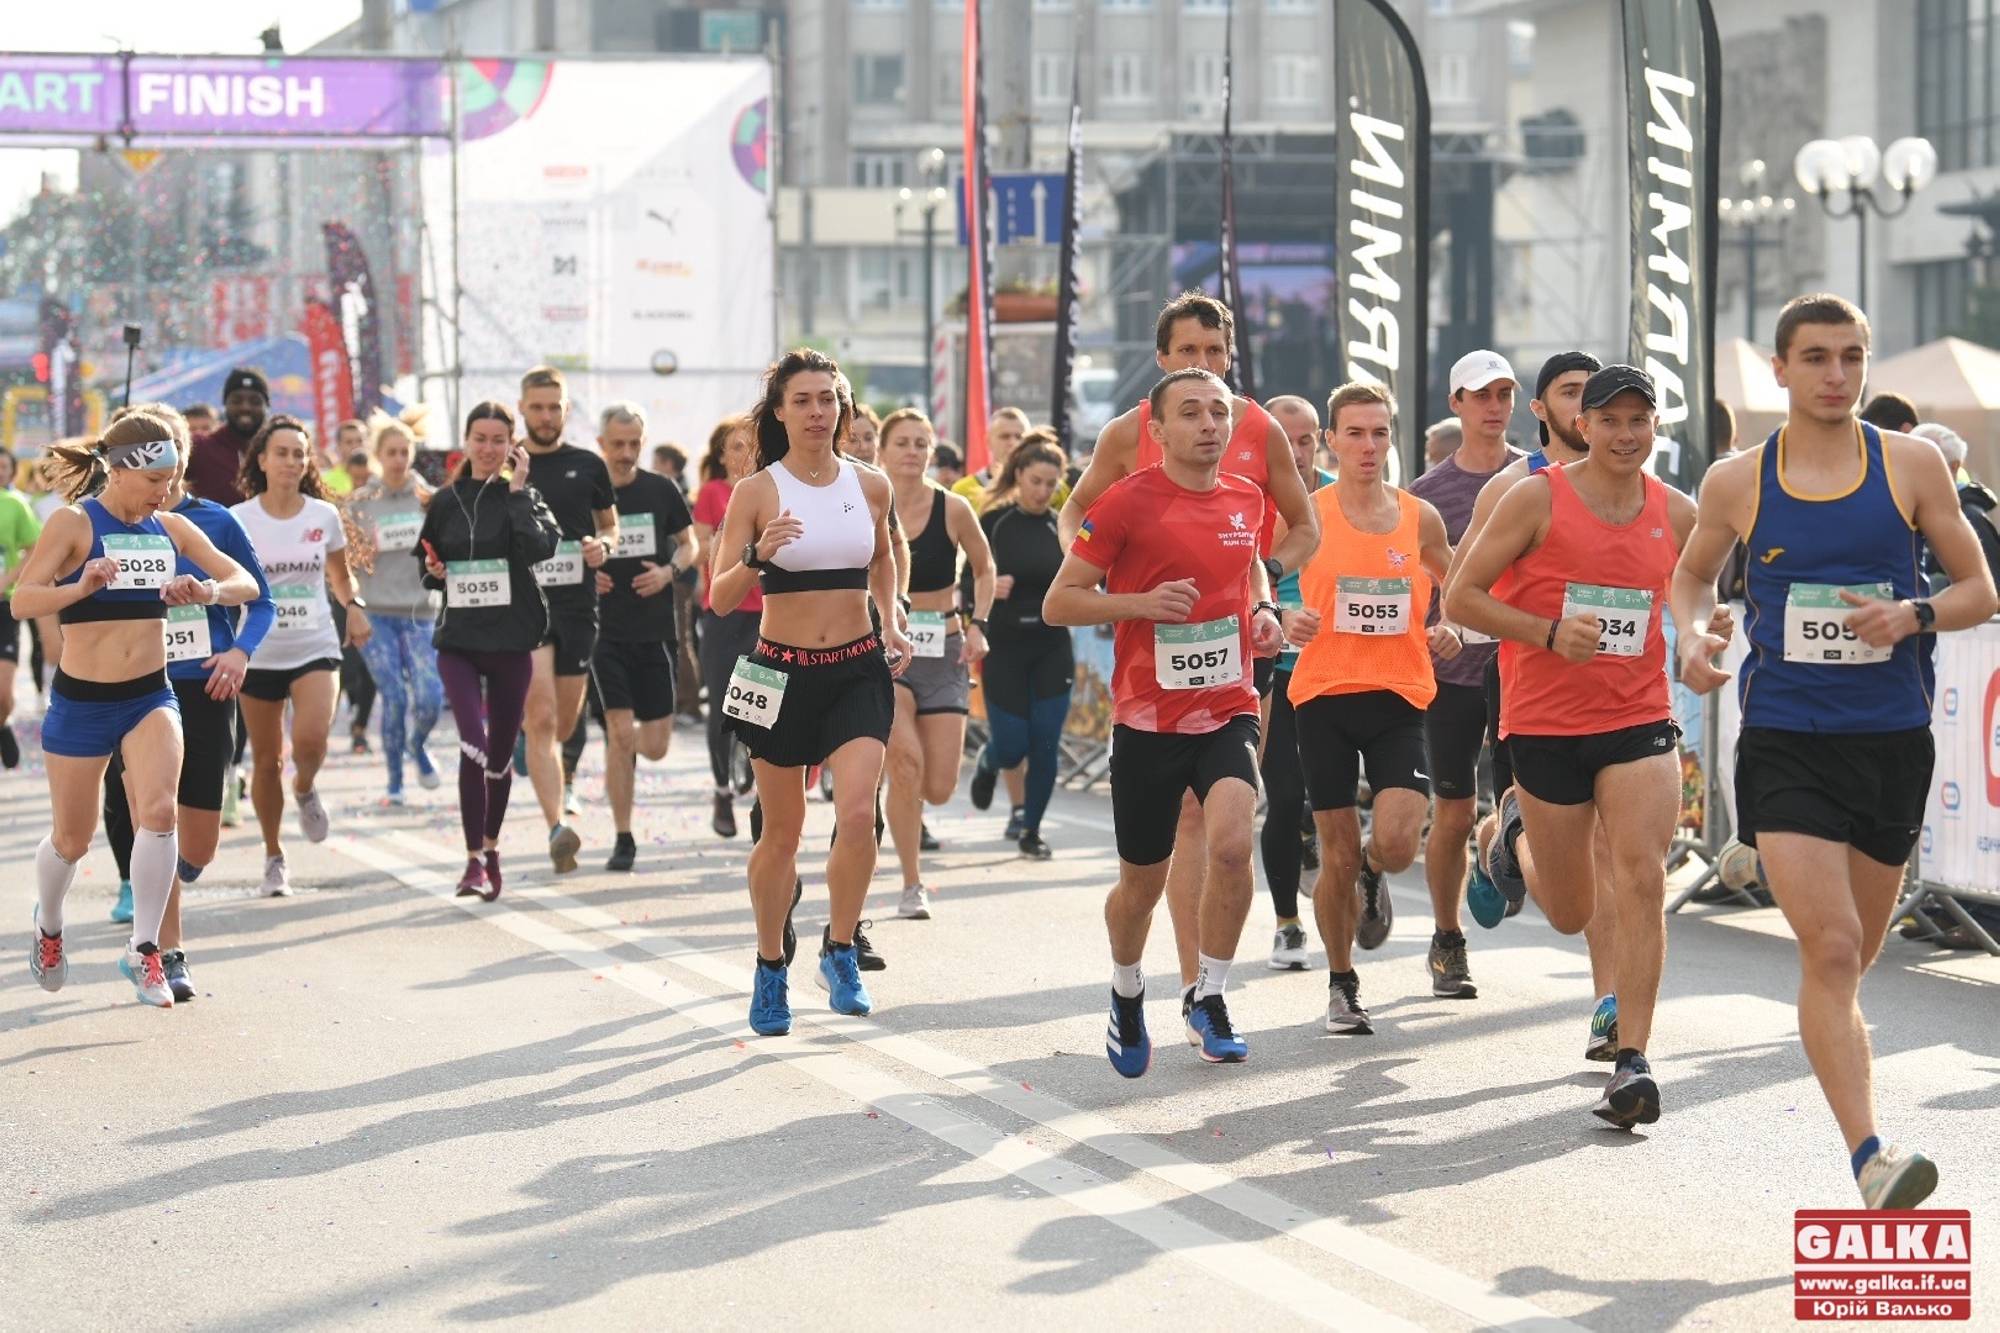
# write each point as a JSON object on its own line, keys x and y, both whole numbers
{"x": 1978, "y": 504}
{"x": 514, "y": 526}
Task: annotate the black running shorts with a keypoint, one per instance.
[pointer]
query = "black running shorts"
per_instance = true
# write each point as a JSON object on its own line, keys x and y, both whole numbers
{"x": 638, "y": 677}
{"x": 1152, "y": 770}
{"x": 1339, "y": 732}
{"x": 832, "y": 695}
{"x": 1503, "y": 764}
{"x": 1867, "y": 790}
{"x": 1562, "y": 770}
{"x": 573, "y": 634}
{"x": 273, "y": 685}
{"x": 1454, "y": 729}
{"x": 208, "y": 744}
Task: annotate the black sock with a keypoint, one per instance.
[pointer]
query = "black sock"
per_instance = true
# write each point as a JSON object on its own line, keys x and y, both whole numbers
{"x": 1627, "y": 1055}
{"x": 625, "y": 840}
{"x": 1349, "y": 975}
{"x": 775, "y": 964}
{"x": 1447, "y": 938}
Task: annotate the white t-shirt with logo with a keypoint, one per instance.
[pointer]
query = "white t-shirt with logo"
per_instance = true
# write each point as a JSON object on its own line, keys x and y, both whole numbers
{"x": 293, "y": 552}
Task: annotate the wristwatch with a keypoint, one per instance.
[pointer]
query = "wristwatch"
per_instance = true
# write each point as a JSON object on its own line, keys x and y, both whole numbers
{"x": 1274, "y": 568}
{"x": 358, "y": 604}
{"x": 1272, "y": 607}
{"x": 1926, "y": 616}
{"x": 750, "y": 556}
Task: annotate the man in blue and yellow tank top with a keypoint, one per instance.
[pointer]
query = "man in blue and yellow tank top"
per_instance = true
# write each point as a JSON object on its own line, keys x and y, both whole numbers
{"x": 1833, "y": 765}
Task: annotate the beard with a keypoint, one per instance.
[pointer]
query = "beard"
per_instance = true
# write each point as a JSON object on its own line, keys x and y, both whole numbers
{"x": 1570, "y": 436}
{"x": 545, "y": 441}
{"x": 245, "y": 424}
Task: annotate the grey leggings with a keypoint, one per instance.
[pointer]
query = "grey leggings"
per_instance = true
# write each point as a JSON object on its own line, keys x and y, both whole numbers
{"x": 723, "y": 640}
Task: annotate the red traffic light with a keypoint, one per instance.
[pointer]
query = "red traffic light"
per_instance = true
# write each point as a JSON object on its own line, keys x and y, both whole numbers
{"x": 40, "y": 362}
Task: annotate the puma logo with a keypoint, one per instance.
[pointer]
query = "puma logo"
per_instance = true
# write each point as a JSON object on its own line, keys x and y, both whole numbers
{"x": 1772, "y": 554}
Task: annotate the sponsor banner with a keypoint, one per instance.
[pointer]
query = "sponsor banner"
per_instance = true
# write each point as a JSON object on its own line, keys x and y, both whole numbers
{"x": 1382, "y": 208}
{"x": 1960, "y": 844}
{"x": 977, "y": 186}
{"x": 1069, "y": 310}
{"x": 360, "y": 321}
{"x": 1673, "y": 90}
{"x": 1242, "y": 371}
{"x": 332, "y": 373}
{"x": 1873, "y": 1264}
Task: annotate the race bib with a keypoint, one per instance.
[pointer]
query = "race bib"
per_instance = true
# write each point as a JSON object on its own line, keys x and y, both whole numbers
{"x": 563, "y": 568}
{"x": 756, "y": 693}
{"x": 470, "y": 583}
{"x": 301, "y": 606}
{"x": 1198, "y": 657}
{"x": 398, "y": 532}
{"x": 187, "y": 634}
{"x": 1624, "y": 614}
{"x": 635, "y": 537}
{"x": 1816, "y": 628}
{"x": 1371, "y": 606}
{"x": 144, "y": 561}
{"x": 926, "y": 634}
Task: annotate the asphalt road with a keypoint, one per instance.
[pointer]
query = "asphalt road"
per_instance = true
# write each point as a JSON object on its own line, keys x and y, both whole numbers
{"x": 390, "y": 1107}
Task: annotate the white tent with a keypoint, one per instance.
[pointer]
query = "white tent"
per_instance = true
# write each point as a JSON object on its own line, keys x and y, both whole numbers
{"x": 1955, "y": 382}
{"x": 1743, "y": 379}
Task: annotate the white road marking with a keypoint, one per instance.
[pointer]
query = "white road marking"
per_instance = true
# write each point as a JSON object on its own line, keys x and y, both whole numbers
{"x": 1349, "y": 1244}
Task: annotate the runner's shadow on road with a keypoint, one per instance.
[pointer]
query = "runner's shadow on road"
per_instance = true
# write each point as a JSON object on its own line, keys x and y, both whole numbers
{"x": 1661, "y": 1302}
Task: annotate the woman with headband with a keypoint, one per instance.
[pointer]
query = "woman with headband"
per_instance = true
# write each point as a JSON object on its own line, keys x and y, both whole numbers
{"x": 105, "y": 568}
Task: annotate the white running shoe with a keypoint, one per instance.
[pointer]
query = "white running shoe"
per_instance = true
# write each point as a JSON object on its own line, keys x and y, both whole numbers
{"x": 1288, "y": 949}
{"x": 427, "y": 774}
{"x": 1893, "y": 1178}
{"x": 142, "y": 967}
{"x": 232, "y": 816}
{"x": 312, "y": 816}
{"x": 47, "y": 962}
{"x": 916, "y": 903}
{"x": 277, "y": 882}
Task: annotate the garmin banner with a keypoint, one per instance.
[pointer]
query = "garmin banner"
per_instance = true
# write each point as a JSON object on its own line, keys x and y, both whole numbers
{"x": 1382, "y": 208}
{"x": 1069, "y": 314}
{"x": 1673, "y": 92}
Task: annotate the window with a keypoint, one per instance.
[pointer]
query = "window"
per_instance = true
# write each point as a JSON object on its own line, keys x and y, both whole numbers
{"x": 878, "y": 4}
{"x": 872, "y": 278}
{"x": 1957, "y": 58}
{"x": 1205, "y": 6}
{"x": 1054, "y": 6}
{"x": 878, "y": 79}
{"x": 950, "y": 67}
{"x": 1454, "y": 78}
{"x": 1052, "y": 77}
{"x": 1295, "y": 80}
{"x": 1293, "y": 6}
{"x": 1204, "y": 75}
{"x": 878, "y": 171}
{"x": 1124, "y": 4}
{"x": 1441, "y": 8}
{"x": 1943, "y": 298}
{"x": 1127, "y": 77}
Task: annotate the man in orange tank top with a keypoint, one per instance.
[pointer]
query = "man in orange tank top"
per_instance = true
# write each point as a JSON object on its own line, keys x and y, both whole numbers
{"x": 1196, "y": 331}
{"x": 1584, "y": 705}
{"x": 1360, "y": 688}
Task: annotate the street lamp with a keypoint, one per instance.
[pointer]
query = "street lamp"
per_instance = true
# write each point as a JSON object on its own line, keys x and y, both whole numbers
{"x": 1745, "y": 219}
{"x": 1854, "y": 165}
{"x": 935, "y": 196}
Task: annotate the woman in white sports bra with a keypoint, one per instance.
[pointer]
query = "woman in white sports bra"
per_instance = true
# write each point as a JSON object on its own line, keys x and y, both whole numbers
{"x": 813, "y": 529}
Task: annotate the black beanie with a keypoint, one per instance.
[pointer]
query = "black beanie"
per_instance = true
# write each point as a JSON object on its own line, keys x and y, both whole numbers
{"x": 244, "y": 378}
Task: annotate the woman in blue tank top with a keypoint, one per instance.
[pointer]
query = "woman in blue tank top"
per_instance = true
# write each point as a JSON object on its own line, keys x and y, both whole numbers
{"x": 105, "y": 568}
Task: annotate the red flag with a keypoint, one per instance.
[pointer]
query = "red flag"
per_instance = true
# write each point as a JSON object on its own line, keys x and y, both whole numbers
{"x": 332, "y": 377}
{"x": 979, "y": 290}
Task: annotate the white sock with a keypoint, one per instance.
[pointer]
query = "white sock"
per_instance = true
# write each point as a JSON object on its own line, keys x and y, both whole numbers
{"x": 52, "y": 880}
{"x": 1211, "y": 976}
{"x": 154, "y": 857}
{"x": 1128, "y": 980}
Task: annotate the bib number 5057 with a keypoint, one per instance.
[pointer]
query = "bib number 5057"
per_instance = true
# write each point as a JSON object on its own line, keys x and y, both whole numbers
{"x": 1198, "y": 657}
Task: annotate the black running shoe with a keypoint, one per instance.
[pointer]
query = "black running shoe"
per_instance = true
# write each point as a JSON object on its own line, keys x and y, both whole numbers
{"x": 792, "y": 936}
{"x": 1631, "y": 1097}
{"x": 1309, "y": 851}
{"x": 174, "y": 962}
{"x": 1017, "y": 824}
{"x": 981, "y": 790}
{"x": 623, "y": 853}
{"x": 1451, "y": 975}
{"x": 1371, "y": 928}
{"x": 1034, "y": 848}
{"x": 10, "y": 747}
{"x": 926, "y": 840}
{"x": 864, "y": 951}
{"x": 723, "y": 819}
{"x": 1503, "y": 859}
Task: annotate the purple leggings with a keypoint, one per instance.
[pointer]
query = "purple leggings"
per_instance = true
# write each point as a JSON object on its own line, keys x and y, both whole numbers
{"x": 488, "y": 693}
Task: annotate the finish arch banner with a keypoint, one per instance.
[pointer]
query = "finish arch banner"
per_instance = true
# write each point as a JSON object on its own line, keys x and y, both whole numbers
{"x": 614, "y": 220}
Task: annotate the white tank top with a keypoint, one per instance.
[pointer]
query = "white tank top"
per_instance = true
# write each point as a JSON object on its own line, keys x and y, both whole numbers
{"x": 838, "y": 529}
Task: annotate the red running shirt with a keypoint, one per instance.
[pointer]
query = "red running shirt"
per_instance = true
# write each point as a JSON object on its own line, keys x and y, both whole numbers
{"x": 1541, "y": 694}
{"x": 711, "y": 502}
{"x": 1145, "y": 531}
{"x": 1247, "y": 455}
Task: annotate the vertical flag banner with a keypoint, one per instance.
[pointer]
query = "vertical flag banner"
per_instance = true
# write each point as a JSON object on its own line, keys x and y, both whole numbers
{"x": 1068, "y": 310}
{"x": 1673, "y": 92}
{"x": 979, "y": 230}
{"x": 1242, "y": 374}
{"x": 354, "y": 302}
{"x": 1382, "y": 208}
{"x": 332, "y": 371}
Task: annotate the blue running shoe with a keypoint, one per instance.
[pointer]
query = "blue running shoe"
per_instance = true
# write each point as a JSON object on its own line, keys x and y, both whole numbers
{"x": 121, "y": 911}
{"x": 840, "y": 978}
{"x": 1483, "y": 898}
{"x": 1209, "y": 1032}
{"x": 1501, "y": 862}
{"x": 1603, "y": 1043}
{"x": 521, "y": 755}
{"x": 770, "y": 1002}
{"x": 1125, "y": 1039}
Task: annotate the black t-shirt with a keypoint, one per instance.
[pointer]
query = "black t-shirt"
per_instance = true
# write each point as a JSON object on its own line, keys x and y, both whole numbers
{"x": 574, "y": 483}
{"x": 651, "y": 512}
{"x": 1028, "y": 547}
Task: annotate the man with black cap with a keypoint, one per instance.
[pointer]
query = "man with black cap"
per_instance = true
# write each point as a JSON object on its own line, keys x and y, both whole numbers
{"x": 1589, "y": 551}
{"x": 217, "y": 458}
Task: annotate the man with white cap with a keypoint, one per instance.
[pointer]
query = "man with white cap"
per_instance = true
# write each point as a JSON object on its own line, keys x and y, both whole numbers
{"x": 1482, "y": 387}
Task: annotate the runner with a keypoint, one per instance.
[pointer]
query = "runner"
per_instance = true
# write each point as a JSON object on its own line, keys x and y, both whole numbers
{"x": 1482, "y": 397}
{"x": 104, "y": 566}
{"x": 1584, "y": 702}
{"x": 634, "y": 664}
{"x": 19, "y": 529}
{"x": 1195, "y": 330}
{"x": 576, "y": 487}
{"x": 1004, "y": 433}
{"x": 296, "y": 532}
{"x": 207, "y": 657}
{"x": 1360, "y": 688}
{"x": 732, "y": 456}
{"x": 813, "y": 529}
{"x": 927, "y": 742}
{"x": 215, "y": 461}
{"x": 1029, "y": 667}
{"x": 864, "y": 434}
{"x": 1175, "y": 548}
{"x": 1833, "y": 765}
{"x": 384, "y": 516}
{"x": 1287, "y": 813}
{"x": 1557, "y": 404}
{"x": 482, "y": 538}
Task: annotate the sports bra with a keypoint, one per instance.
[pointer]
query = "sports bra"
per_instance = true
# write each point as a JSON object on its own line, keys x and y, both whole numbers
{"x": 116, "y": 603}
{"x": 933, "y": 554}
{"x": 838, "y": 541}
